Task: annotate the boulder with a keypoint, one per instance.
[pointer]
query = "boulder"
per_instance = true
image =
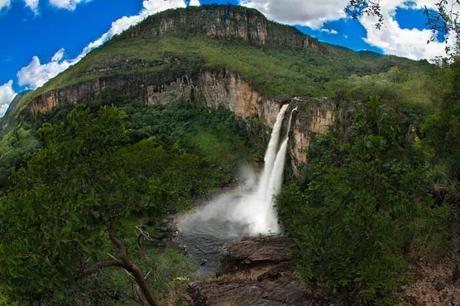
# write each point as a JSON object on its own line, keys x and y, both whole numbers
{"x": 255, "y": 271}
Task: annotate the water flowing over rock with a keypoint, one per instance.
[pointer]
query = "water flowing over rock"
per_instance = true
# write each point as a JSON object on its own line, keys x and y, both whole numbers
{"x": 246, "y": 211}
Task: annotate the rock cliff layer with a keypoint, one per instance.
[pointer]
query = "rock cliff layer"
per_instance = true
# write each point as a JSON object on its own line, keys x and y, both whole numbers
{"x": 214, "y": 88}
{"x": 223, "y": 22}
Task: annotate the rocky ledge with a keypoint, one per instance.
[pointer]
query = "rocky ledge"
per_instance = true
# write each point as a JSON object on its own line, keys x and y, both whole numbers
{"x": 255, "y": 271}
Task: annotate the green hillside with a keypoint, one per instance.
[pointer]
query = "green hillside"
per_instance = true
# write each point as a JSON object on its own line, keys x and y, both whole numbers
{"x": 88, "y": 189}
{"x": 317, "y": 71}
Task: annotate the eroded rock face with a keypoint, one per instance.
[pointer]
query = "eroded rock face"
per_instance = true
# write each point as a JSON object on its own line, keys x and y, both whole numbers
{"x": 215, "y": 88}
{"x": 313, "y": 118}
{"x": 255, "y": 271}
{"x": 222, "y": 22}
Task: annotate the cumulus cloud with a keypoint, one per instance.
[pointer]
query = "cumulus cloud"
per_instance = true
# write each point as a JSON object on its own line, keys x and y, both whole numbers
{"x": 150, "y": 7}
{"x": 392, "y": 39}
{"x": 36, "y": 74}
{"x": 7, "y": 95}
{"x": 32, "y": 4}
{"x": 310, "y": 13}
{"x": 67, "y": 4}
{"x": 4, "y": 4}
{"x": 329, "y": 31}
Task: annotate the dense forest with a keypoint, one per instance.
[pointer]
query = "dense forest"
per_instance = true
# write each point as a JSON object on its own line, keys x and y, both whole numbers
{"x": 86, "y": 186}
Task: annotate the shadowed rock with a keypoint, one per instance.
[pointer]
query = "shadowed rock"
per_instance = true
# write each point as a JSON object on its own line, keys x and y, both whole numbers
{"x": 255, "y": 271}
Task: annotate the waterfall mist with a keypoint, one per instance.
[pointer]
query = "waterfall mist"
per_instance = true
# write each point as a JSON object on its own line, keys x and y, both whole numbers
{"x": 247, "y": 210}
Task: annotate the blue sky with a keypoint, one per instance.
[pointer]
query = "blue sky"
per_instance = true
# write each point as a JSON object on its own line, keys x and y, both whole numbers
{"x": 40, "y": 38}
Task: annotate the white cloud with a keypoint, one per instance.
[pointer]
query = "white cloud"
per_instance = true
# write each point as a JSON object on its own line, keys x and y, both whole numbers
{"x": 32, "y": 4}
{"x": 67, "y": 4}
{"x": 4, "y": 4}
{"x": 7, "y": 95}
{"x": 304, "y": 12}
{"x": 392, "y": 39}
{"x": 120, "y": 25}
{"x": 36, "y": 74}
{"x": 329, "y": 31}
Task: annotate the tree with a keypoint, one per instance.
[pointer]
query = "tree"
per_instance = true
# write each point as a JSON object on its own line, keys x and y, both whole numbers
{"x": 442, "y": 128}
{"x": 64, "y": 218}
{"x": 445, "y": 20}
{"x": 363, "y": 207}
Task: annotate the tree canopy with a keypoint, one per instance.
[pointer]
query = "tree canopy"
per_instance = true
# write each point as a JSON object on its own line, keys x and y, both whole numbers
{"x": 67, "y": 208}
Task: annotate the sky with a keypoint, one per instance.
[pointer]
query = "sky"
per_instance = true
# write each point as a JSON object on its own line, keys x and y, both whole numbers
{"x": 41, "y": 38}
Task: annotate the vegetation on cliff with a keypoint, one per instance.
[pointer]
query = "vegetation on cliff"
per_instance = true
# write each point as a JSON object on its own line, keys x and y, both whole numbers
{"x": 76, "y": 206}
{"x": 367, "y": 204}
{"x": 273, "y": 70}
{"x": 82, "y": 188}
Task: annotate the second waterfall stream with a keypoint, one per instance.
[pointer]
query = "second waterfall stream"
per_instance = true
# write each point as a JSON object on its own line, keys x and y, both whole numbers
{"x": 247, "y": 210}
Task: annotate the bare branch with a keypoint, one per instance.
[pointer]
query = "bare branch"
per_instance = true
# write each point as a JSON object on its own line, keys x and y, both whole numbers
{"x": 132, "y": 268}
{"x": 99, "y": 266}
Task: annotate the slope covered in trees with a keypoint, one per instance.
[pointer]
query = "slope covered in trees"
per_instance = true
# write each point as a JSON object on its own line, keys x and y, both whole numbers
{"x": 84, "y": 187}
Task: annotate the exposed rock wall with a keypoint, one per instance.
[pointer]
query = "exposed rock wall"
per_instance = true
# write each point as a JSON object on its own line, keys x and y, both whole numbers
{"x": 215, "y": 88}
{"x": 313, "y": 118}
{"x": 222, "y": 22}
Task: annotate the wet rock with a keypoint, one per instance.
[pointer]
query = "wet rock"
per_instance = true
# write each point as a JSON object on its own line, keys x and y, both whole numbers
{"x": 255, "y": 271}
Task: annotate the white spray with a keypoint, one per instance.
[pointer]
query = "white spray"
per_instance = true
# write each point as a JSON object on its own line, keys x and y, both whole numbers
{"x": 251, "y": 212}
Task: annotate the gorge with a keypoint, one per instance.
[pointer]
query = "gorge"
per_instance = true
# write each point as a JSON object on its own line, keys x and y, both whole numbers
{"x": 209, "y": 156}
{"x": 247, "y": 210}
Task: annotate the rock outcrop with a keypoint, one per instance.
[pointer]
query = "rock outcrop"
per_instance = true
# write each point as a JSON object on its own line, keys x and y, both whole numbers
{"x": 222, "y": 22}
{"x": 214, "y": 88}
{"x": 196, "y": 83}
{"x": 255, "y": 271}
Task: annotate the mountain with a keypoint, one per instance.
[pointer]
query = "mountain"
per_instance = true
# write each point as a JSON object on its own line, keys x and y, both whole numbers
{"x": 180, "y": 54}
{"x": 96, "y": 164}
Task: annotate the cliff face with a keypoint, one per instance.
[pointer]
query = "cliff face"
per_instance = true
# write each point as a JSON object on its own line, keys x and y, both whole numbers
{"x": 214, "y": 88}
{"x": 222, "y": 22}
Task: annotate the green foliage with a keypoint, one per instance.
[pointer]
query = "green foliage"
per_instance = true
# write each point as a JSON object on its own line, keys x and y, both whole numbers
{"x": 216, "y": 135}
{"x": 397, "y": 86}
{"x": 86, "y": 178}
{"x": 14, "y": 147}
{"x": 363, "y": 206}
{"x": 443, "y": 127}
{"x": 169, "y": 270}
{"x": 271, "y": 70}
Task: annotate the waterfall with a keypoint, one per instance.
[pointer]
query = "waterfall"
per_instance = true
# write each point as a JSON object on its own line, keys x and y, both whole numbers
{"x": 266, "y": 220}
{"x": 248, "y": 210}
{"x": 271, "y": 152}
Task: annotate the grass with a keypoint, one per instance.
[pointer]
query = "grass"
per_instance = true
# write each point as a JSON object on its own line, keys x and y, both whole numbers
{"x": 273, "y": 71}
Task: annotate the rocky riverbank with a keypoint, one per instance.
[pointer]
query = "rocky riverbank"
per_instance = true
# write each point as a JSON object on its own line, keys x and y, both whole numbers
{"x": 255, "y": 271}
{"x": 258, "y": 271}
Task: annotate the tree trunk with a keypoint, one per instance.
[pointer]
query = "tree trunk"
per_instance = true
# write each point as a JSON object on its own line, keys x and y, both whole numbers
{"x": 132, "y": 268}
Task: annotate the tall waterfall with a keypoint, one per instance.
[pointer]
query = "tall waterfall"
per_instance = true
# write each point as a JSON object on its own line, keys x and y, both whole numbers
{"x": 259, "y": 210}
{"x": 248, "y": 210}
